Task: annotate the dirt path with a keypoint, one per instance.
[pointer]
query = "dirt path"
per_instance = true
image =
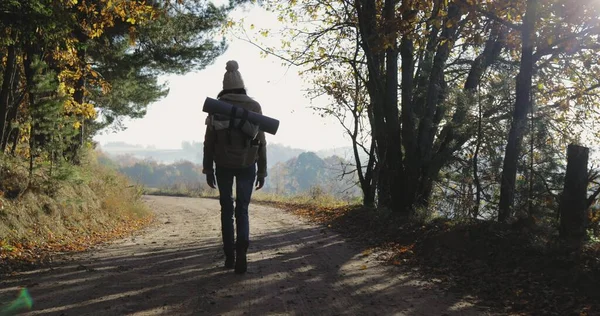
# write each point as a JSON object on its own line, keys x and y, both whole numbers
{"x": 175, "y": 268}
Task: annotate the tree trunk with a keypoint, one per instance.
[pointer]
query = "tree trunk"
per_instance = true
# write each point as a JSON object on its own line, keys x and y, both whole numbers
{"x": 409, "y": 137}
{"x": 5, "y": 91}
{"x": 393, "y": 162}
{"x": 11, "y": 133}
{"x": 450, "y": 139}
{"x": 519, "y": 122}
{"x": 29, "y": 77}
{"x": 479, "y": 141}
{"x": 369, "y": 196}
{"x": 79, "y": 97}
{"x": 367, "y": 180}
{"x": 530, "y": 197}
{"x": 15, "y": 141}
{"x": 573, "y": 203}
{"x": 376, "y": 87}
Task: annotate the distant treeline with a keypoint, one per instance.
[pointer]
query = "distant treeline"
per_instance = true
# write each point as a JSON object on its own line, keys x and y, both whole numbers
{"x": 305, "y": 174}
{"x": 193, "y": 152}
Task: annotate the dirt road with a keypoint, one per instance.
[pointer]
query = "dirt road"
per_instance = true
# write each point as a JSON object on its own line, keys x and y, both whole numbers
{"x": 175, "y": 268}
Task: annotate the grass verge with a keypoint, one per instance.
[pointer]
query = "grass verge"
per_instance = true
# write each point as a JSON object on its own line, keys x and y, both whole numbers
{"x": 63, "y": 209}
{"x": 261, "y": 197}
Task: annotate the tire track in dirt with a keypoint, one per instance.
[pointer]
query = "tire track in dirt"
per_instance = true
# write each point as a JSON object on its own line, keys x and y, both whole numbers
{"x": 175, "y": 268}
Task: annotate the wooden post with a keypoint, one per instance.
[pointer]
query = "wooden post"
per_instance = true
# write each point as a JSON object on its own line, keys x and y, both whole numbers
{"x": 573, "y": 204}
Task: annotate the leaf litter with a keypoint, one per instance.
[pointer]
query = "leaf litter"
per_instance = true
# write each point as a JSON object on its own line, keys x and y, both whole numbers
{"x": 504, "y": 267}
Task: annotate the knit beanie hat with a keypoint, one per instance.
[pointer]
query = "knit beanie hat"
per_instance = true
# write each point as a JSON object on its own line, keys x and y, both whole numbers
{"x": 232, "y": 78}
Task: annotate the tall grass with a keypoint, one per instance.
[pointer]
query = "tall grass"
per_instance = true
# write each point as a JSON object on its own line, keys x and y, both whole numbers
{"x": 189, "y": 189}
{"x": 314, "y": 196}
{"x": 64, "y": 203}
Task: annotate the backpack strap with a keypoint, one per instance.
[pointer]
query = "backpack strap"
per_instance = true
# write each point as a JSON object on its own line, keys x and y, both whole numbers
{"x": 243, "y": 120}
{"x": 231, "y": 124}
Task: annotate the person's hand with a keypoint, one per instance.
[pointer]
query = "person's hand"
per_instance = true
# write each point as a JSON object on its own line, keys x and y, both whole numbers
{"x": 260, "y": 182}
{"x": 210, "y": 180}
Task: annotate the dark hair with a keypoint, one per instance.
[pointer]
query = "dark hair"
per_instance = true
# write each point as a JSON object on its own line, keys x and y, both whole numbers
{"x": 234, "y": 91}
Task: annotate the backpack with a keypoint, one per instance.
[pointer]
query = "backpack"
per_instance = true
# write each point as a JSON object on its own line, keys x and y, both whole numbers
{"x": 236, "y": 144}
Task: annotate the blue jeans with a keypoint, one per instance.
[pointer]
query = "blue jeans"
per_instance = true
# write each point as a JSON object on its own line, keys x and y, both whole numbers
{"x": 244, "y": 183}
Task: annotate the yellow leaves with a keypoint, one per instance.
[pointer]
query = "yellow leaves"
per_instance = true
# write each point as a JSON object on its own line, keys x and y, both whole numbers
{"x": 230, "y": 24}
{"x": 101, "y": 16}
{"x": 321, "y": 51}
{"x": 132, "y": 36}
{"x": 69, "y": 3}
{"x": 89, "y": 111}
{"x": 95, "y": 33}
{"x": 93, "y": 73}
{"x": 84, "y": 110}
{"x": 63, "y": 89}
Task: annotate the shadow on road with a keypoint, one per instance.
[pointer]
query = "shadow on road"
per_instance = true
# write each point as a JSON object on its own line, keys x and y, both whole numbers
{"x": 300, "y": 271}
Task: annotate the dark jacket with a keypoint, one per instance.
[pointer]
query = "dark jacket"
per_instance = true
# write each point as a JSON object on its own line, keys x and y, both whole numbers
{"x": 231, "y": 148}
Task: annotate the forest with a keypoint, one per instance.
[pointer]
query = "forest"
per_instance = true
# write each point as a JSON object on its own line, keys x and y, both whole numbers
{"x": 466, "y": 108}
{"x": 71, "y": 68}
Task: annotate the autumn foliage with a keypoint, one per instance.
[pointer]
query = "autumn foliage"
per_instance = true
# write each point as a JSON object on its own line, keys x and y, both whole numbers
{"x": 68, "y": 69}
{"x": 462, "y": 107}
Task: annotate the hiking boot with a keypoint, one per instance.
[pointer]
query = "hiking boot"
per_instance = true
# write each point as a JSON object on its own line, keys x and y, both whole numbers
{"x": 229, "y": 256}
{"x": 241, "y": 264}
{"x": 229, "y": 262}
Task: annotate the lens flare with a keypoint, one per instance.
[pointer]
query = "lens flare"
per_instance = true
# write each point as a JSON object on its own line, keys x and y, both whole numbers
{"x": 23, "y": 301}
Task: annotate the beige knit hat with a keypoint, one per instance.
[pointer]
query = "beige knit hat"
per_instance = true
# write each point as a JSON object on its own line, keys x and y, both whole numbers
{"x": 232, "y": 78}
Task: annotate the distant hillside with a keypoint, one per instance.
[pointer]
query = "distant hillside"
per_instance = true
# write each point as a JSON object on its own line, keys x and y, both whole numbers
{"x": 303, "y": 173}
{"x": 192, "y": 152}
{"x": 309, "y": 172}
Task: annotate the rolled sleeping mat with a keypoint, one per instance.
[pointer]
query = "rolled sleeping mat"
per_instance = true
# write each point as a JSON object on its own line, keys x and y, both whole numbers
{"x": 265, "y": 123}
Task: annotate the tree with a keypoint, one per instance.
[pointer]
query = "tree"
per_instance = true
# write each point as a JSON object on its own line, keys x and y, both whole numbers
{"x": 446, "y": 52}
{"x": 420, "y": 38}
{"x": 344, "y": 84}
{"x": 522, "y": 107}
{"x": 574, "y": 204}
{"x": 105, "y": 58}
{"x": 566, "y": 32}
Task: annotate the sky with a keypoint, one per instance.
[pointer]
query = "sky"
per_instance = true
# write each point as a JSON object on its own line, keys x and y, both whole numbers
{"x": 278, "y": 88}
